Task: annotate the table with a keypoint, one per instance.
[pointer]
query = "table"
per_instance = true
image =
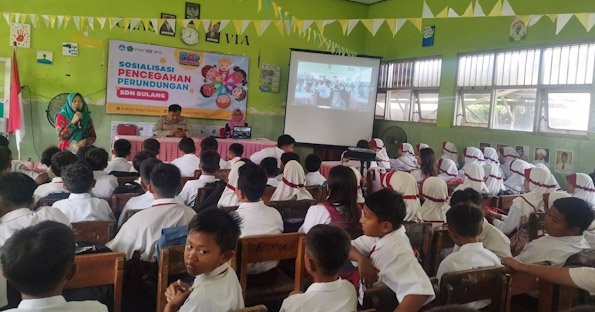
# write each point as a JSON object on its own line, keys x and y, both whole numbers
{"x": 326, "y": 166}
{"x": 169, "y": 146}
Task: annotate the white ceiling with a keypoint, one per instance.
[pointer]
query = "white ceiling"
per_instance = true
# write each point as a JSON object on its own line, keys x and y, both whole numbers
{"x": 366, "y": 1}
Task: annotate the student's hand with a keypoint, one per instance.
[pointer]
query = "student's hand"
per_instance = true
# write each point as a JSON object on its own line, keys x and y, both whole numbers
{"x": 176, "y": 293}
{"x": 367, "y": 272}
{"x": 512, "y": 262}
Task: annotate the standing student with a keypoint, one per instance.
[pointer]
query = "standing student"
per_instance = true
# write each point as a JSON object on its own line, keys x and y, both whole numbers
{"x": 405, "y": 184}
{"x": 121, "y": 151}
{"x": 229, "y": 197}
{"x": 292, "y": 185}
{"x": 449, "y": 151}
{"x": 382, "y": 158}
{"x": 313, "y": 177}
{"x": 189, "y": 162}
{"x": 234, "y": 154}
{"x": 59, "y": 162}
{"x": 145, "y": 200}
{"x": 426, "y": 160}
{"x": 284, "y": 144}
{"x": 474, "y": 178}
{"x": 435, "y": 192}
{"x": 472, "y": 155}
{"x": 509, "y": 154}
{"x": 406, "y": 160}
{"x": 447, "y": 170}
{"x": 271, "y": 169}
{"x": 209, "y": 164}
{"x": 104, "y": 184}
{"x": 515, "y": 181}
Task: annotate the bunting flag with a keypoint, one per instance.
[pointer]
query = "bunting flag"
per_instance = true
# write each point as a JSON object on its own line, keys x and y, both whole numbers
{"x": 478, "y": 11}
{"x": 134, "y": 23}
{"x": 102, "y": 20}
{"x": 262, "y": 27}
{"x": 443, "y": 13}
{"x": 7, "y": 18}
{"x": 17, "y": 17}
{"x": 206, "y": 24}
{"x": 223, "y": 24}
{"x": 344, "y": 23}
{"x": 307, "y": 24}
{"x": 33, "y": 19}
{"x": 497, "y": 9}
{"x": 562, "y": 21}
{"x": 155, "y": 25}
{"x": 351, "y": 25}
{"x": 469, "y": 11}
{"x": 66, "y": 20}
{"x": 46, "y": 20}
{"x": 586, "y": 19}
{"x": 426, "y": 12}
{"x": 52, "y": 21}
{"x": 116, "y": 20}
{"x": 452, "y": 13}
{"x": 507, "y": 9}
{"x": 416, "y": 22}
{"x": 395, "y": 25}
{"x": 533, "y": 19}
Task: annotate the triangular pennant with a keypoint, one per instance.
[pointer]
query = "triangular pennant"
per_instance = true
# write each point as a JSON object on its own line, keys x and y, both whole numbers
{"x": 287, "y": 23}
{"x": 583, "y": 18}
{"x": 533, "y": 19}
{"x": 134, "y": 23}
{"x": 562, "y": 21}
{"x": 126, "y": 23}
{"x": 478, "y": 10}
{"x": 46, "y": 20}
{"x": 497, "y": 9}
{"x": 196, "y": 23}
{"x": 245, "y": 24}
{"x": 369, "y": 24}
{"x": 52, "y": 21}
{"x": 7, "y": 17}
{"x": 170, "y": 21}
{"x": 320, "y": 25}
{"x": 17, "y": 17}
{"x": 307, "y": 24}
{"x": 237, "y": 24}
{"x": 155, "y": 25}
{"x": 33, "y": 19}
{"x": 223, "y": 24}
{"x": 91, "y": 22}
{"x": 186, "y": 21}
{"x": 280, "y": 25}
{"x": 206, "y": 24}
{"x": 469, "y": 11}
{"x": 452, "y": 13}
{"x": 392, "y": 26}
{"x": 377, "y": 24}
{"x": 343, "y": 24}
{"x": 67, "y": 20}
{"x": 426, "y": 12}
{"x": 443, "y": 13}
{"x": 263, "y": 26}
{"x": 102, "y": 21}
{"x": 259, "y": 6}
{"x": 60, "y": 20}
{"x": 113, "y": 21}
{"x": 299, "y": 24}
{"x": 351, "y": 25}
{"x": 552, "y": 17}
{"x": 591, "y": 21}
{"x": 507, "y": 10}
{"x": 416, "y": 22}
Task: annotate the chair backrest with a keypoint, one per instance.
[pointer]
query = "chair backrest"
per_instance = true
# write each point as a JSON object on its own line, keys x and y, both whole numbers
{"x": 420, "y": 237}
{"x": 197, "y": 173}
{"x": 50, "y": 199}
{"x": 380, "y": 298}
{"x": 268, "y": 193}
{"x": 546, "y": 202}
{"x": 94, "y": 231}
{"x": 536, "y": 225}
{"x": 126, "y": 129}
{"x": 258, "y": 308}
{"x": 476, "y": 284}
{"x": 293, "y": 212}
{"x": 505, "y": 201}
{"x": 223, "y": 174}
{"x": 171, "y": 262}
{"x": 208, "y": 196}
{"x": 129, "y": 214}
{"x": 318, "y": 192}
{"x": 100, "y": 269}
{"x": 440, "y": 242}
{"x": 118, "y": 202}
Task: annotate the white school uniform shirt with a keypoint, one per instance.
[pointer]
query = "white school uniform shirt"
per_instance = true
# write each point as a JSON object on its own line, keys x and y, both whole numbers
{"x": 118, "y": 164}
{"x": 82, "y": 207}
{"x": 494, "y": 240}
{"x": 393, "y": 256}
{"x": 315, "y": 178}
{"x": 259, "y": 219}
{"x": 105, "y": 184}
{"x": 274, "y": 151}
{"x": 54, "y": 186}
{"x": 188, "y": 163}
{"x": 23, "y": 217}
{"x": 142, "y": 231}
{"x": 190, "y": 189}
{"x": 316, "y": 215}
{"x": 218, "y": 290}
{"x": 584, "y": 278}
{"x": 273, "y": 182}
{"x": 336, "y": 296}
{"x": 555, "y": 250}
{"x": 58, "y": 304}
{"x": 227, "y": 164}
{"x": 136, "y": 203}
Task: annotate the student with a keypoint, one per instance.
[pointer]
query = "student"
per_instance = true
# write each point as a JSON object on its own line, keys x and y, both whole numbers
{"x": 59, "y": 162}
{"x": 341, "y": 208}
{"x": 360, "y": 192}
{"x": 449, "y": 151}
{"x": 508, "y": 155}
{"x": 80, "y": 206}
{"x": 435, "y": 192}
{"x": 16, "y": 199}
{"x": 327, "y": 250}
{"x": 516, "y": 179}
{"x": 229, "y": 197}
{"x": 382, "y": 158}
{"x": 490, "y": 156}
{"x": 284, "y": 144}
{"x": 121, "y": 151}
{"x": 427, "y": 165}
{"x": 212, "y": 238}
{"x": 189, "y": 162}
{"x": 287, "y": 157}
{"x": 145, "y": 200}
{"x": 139, "y": 158}
{"x": 565, "y": 222}
{"x": 209, "y": 164}
{"x": 142, "y": 231}
{"x": 152, "y": 145}
{"x": 474, "y": 178}
{"x": 269, "y": 164}
{"x": 234, "y": 154}
{"x": 292, "y": 184}
{"x": 472, "y": 155}
{"x": 493, "y": 179}
{"x": 257, "y": 218}
{"x": 419, "y": 147}
{"x": 405, "y": 184}
{"x": 313, "y": 177}
{"x": 447, "y": 170}
{"x": 385, "y": 247}
{"x": 406, "y": 161}
{"x": 41, "y": 286}
{"x": 211, "y": 144}
{"x": 81, "y": 153}
{"x": 580, "y": 185}
{"x": 105, "y": 184}
{"x": 46, "y": 159}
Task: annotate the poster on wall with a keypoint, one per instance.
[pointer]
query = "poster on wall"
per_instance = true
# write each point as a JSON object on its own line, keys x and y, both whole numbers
{"x": 564, "y": 161}
{"x": 270, "y": 76}
{"x": 20, "y": 35}
{"x": 145, "y": 79}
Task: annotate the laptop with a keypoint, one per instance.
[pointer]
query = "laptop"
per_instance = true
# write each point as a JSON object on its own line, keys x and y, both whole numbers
{"x": 242, "y": 133}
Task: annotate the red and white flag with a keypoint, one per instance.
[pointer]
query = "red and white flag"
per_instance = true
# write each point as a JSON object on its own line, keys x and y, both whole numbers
{"x": 16, "y": 122}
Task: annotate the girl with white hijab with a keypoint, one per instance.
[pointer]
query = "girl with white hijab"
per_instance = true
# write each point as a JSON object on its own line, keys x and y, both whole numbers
{"x": 420, "y": 146}
{"x": 449, "y": 151}
{"x": 292, "y": 185}
{"x": 229, "y": 197}
{"x": 435, "y": 206}
{"x": 473, "y": 155}
{"x": 382, "y": 158}
{"x": 360, "y": 193}
{"x": 494, "y": 181}
{"x": 490, "y": 155}
{"x": 580, "y": 185}
{"x": 447, "y": 170}
{"x": 405, "y": 184}
{"x": 406, "y": 161}
{"x": 474, "y": 178}
{"x": 509, "y": 154}
{"x": 516, "y": 180}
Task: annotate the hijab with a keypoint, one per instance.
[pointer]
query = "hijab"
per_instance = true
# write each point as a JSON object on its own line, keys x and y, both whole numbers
{"x": 420, "y": 146}
{"x": 490, "y": 155}
{"x": 516, "y": 181}
{"x": 405, "y": 184}
{"x": 472, "y": 156}
{"x": 543, "y": 166}
{"x": 237, "y": 120}
{"x": 229, "y": 197}
{"x": 509, "y": 154}
{"x": 381, "y": 155}
{"x": 583, "y": 187}
{"x": 406, "y": 162}
{"x": 360, "y": 193}
{"x": 447, "y": 169}
{"x": 292, "y": 184}
{"x": 540, "y": 181}
{"x": 79, "y": 132}
{"x": 494, "y": 180}
{"x": 474, "y": 178}
{"x": 449, "y": 150}
{"x": 555, "y": 196}
{"x": 435, "y": 206}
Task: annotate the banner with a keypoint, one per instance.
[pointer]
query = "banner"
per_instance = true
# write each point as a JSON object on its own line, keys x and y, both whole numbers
{"x": 144, "y": 79}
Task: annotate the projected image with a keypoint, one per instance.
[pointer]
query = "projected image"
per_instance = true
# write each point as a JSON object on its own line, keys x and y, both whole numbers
{"x": 332, "y": 86}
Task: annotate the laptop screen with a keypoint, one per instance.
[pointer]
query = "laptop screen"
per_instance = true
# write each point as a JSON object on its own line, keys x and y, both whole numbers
{"x": 242, "y": 132}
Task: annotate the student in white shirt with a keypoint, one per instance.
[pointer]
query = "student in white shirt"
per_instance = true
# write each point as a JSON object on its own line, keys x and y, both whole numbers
{"x": 138, "y": 159}
{"x": 104, "y": 184}
{"x": 211, "y": 144}
{"x": 41, "y": 285}
{"x": 234, "y": 154}
{"x": 313, "y": 177}
{"x": 472, "y": 155}
{"x": 516, "y": 176}
{"x": 382, "y": 158}
{"x": 385, "y": 247}
{"x": 212, "y": 238}
{"x": 565, "y": 222}
{"x": 292, "y": 184}
{"x": 327, "y": 250}
{"x": 209, "y": 165}
{"x": 284, "y": 144}
{"x": 46, "y": 159}
{"x": 580, "y": 185}
{"x": 142, "y": 231}
{"x": 405, "y": 184}
{"x": 16, "y": 196}
{"x": 59, "y": 162}
{"x": 189, "y": 162}
{"x": 506, "y": 155}
{"x": 271, "y": 169}
{"x": 121, "y": 151}
{"x": 406, "y": 160}
{"x": 427, "y": 165}
{"x": 80, "y": 206}
{"x": 435, "y": 192}
{"x": 153, "y": 146}
{"x": 257, "y": 218}
{"x": 474, "y": 178}
{"x": 229, "y": 197}
{"x": 145, "y": 200}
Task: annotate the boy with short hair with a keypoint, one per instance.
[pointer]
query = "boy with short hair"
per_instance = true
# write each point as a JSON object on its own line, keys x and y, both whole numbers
{"x": 142, "y": 231}
{"x": 145, "y": 200}
{"x": 271, "y": 170}
{"x": 80, "y": 206}
{"x": 59, "y": 162}
{"x": 105, "y": 184}
{"x": 209, "y": 164}
{"x": 152, "y": 145}
{"x": 121, "y": 151}
{"x": 212, "y": 238}
{"x": 211, "y": 144}
{"x": 284, "y": 144}
{"x": 327, "y": 250}
{"x": 565, "y": 223}
{"x": 313, "y": 177}
{"x": 234, "y": 154}
{"x": 385, "y": 247}
{"x": 138, "y": 160}
{"x": 189, "y": 162}
{"x": 41, "y": 285}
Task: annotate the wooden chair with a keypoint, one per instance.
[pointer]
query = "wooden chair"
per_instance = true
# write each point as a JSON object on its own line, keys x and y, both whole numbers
{"x": 203, "y": 193}
{"x": 102, "y": 269}
{"x": 127, "y": 179}
{"x": 440, "y": 242}
{"x": 293, "y": 212}
{"x": 477, "y": 284}
{"x": 224, "y": 174}
{"x": 268, "y": 192}
{"x": 261, "y": 248}
{"x": 536, "y": 225}
{"x": 572, "y": 296}
{"x": 380, "y": 298}
{"x": 523, "y": 283}
{"x": 258, "y": 308}
{"x": 318, "y": 192}
{"x": 94, "y": 231}
{"x": 118, "y": 202}
{"x": 171, "y": 263}
{"x": 420, "y": 237}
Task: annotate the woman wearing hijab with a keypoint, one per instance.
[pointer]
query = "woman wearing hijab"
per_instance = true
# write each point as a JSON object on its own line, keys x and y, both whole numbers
{"x": 516, "y": 181}
{"x": 382, "y": 158}
{"x": 449, "y": 151}
{"x": 74, "y": 124}
{"x": 508, "y": 154}
{"x": 229, "y": 197}
{"x": 472, "y": 156}
{"x": 493, "y": 177}
{"x": 292, "y": 186}
{"x": 474, "y": 178}
{"x": 447, "y": 171}
{"x": 435, "y": 193}
{"x": 405, "y": 184}
{"x": 580, "y": 185}
{"x": 406, "y": 161}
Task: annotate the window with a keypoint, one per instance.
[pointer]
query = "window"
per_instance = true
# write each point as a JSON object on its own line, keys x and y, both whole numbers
{"x": 408, "y": 90}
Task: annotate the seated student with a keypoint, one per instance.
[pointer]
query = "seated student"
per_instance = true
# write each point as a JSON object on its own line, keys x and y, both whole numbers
{"x": 229, "y": 197}
{"x": 46, "y": 159}
{"x": 327, "y": 249}
{"x": 138, "y": 160}
{"x": 257, "y": 218}
{"x": 189, "y": 162}
{"x": 434, "y": 191}
{"x": 406, "y": 160}
{"x": 427, "y": 165}
{"x": 516, "y": 179}
{"x": 142, "y": 231}
{"x": 447, "y": 171}
{"x": 121, "y": 151}
{"x": 211, "y": 144}
{"x": 492, "y": 238}
{"x": 405, "y": 184}
{"x": 565, "y": 223}
{"x": 474, "y": 177}
{"x": 271, "y": 169}
{"x": 209, "y": 164}
{"x": 234, "y": 154}
{"x": 494, "y": 179}
{"x": 59, "y": 162}
{"x": 471, "y": 155}
{"x": 16, "y": 198}
{"x": 464, "y": 226}
{"x": 382, "y": 159}
{"x": 313, "y": 177}
{"x": 580, "y": 185}
{"x": 284, "y": 144}
{"x": 152, "y": 145}
{"x": 41, "y": 285}
{"x": 385, "y": 247}
{"x": 341, "y": 208}
{"x": 287, "y": 157}
{"x": 105, "y": 184}
{"x": 145, "y": 200}
{"x": 212, "y": 238}
{"x": 292, "y": 184}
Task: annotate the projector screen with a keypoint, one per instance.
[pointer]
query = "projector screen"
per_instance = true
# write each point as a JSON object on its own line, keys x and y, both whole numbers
{"x": 330, "y": 98}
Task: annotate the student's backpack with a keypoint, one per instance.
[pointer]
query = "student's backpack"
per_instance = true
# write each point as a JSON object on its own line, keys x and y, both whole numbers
{"x": 129, "y": 188}
{"x": 212, "y": 192}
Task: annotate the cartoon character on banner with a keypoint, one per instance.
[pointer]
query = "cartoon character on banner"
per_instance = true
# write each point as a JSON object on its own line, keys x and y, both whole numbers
{"x": 224, "y": 84}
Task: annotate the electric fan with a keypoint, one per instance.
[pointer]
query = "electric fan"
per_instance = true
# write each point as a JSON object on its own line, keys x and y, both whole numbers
{"x": 55, "y": 106}
{"x": 392, "y": 137}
